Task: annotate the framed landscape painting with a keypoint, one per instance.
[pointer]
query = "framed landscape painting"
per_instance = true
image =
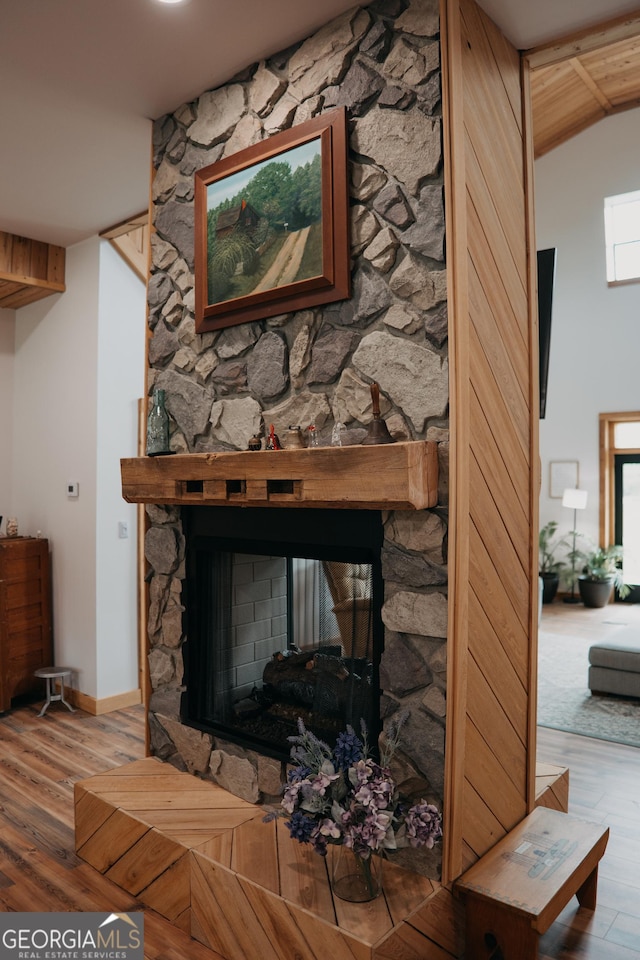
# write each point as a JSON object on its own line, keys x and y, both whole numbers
{"x": 271, "y": 226}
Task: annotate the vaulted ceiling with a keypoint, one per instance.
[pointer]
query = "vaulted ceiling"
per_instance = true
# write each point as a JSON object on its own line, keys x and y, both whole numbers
{"x": 578, "y": 80}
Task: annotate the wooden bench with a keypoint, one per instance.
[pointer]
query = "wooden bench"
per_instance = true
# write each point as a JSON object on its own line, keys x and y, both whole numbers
{"x": 516, "y": 891}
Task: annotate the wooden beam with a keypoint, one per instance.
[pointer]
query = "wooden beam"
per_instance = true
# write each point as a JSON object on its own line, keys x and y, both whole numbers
{"x": 586, "y": 41}
{"x": 29, "y": 270}
{"x": 126, "y": 226}
{"x": 591, "y": 85}
{"x": 398, "y": 476}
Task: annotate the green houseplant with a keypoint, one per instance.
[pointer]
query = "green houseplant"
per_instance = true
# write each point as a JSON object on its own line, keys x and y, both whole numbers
{"x": 601, "y": 572}
{"x": 550, "y": 568}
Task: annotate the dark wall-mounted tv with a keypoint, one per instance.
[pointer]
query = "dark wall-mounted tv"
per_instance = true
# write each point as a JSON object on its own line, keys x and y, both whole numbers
{"x": 546, "y": 280}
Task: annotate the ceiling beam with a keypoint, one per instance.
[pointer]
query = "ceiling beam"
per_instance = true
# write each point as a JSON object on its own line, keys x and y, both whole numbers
{"x": 587, "y": 41}
{"x": 589, "y": 82}
{"x": 29, "y": 270}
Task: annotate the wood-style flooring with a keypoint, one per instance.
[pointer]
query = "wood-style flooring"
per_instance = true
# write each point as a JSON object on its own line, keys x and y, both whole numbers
{"x": 41, "y": 758}
{"x": 604, "y": 786}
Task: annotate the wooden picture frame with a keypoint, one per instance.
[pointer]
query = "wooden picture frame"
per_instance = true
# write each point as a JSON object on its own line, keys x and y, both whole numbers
{"x": 562, "y": 475}
{"x": 271, "y": 226}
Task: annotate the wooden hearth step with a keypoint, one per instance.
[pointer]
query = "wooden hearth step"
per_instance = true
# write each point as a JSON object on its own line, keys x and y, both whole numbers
{"x": 207, "y": 862}
{"x": 137, "y": 823}
{"x": 552, "y": 786}
{"x": 516, "y": 891}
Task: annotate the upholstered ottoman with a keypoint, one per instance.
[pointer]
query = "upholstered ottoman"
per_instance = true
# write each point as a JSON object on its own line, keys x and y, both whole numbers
{"x": 614, "y": 665}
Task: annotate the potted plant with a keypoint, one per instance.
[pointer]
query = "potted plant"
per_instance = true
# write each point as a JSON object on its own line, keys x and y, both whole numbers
{"x": 550, "y": 567}
{"x": 601, "y": 572}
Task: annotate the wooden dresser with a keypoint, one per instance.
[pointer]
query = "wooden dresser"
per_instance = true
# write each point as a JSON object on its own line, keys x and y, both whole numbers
{"x": 25, "y": 616}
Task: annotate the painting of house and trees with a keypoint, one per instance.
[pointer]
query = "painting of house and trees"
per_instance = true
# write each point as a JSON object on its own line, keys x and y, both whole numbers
{"x": 264, "y": 225}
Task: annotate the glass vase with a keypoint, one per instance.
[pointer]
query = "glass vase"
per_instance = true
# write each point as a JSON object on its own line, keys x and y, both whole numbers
{"x": 158, "y": 426}
{"x": 355, "y": 878}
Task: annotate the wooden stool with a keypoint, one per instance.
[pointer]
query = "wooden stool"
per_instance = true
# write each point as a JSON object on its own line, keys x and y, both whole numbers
{"x": 50, "y": 675}
{"x": 516, "y": 891}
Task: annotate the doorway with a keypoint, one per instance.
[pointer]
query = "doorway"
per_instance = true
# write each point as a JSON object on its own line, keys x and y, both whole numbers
{"x": 620, "y": 491}
{"x": 626, "y": 506}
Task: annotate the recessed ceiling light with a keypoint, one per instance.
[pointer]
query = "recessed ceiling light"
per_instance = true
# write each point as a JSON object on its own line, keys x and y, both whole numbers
{"x": 172, "y": 1}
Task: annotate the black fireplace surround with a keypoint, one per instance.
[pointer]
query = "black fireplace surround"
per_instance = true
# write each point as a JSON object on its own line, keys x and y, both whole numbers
{"x": 282, "y": 620}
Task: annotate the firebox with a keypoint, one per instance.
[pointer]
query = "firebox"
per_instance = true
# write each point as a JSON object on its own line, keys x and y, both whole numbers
{"x": 283, "y": 621}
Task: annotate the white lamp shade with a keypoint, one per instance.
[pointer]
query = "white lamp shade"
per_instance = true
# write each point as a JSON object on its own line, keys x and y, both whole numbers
{"x": 574, "y": 499}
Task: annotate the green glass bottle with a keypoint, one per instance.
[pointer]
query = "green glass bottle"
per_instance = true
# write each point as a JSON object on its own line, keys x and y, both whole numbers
{"x": 158, "y": 426}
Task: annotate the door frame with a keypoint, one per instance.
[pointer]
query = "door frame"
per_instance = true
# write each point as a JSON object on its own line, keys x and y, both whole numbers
{"x": 608, "y": 450}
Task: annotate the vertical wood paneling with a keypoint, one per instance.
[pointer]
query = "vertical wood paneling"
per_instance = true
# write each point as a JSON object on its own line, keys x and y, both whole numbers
{"x": 490, "y": 736}
{"x": 29, "y": 270}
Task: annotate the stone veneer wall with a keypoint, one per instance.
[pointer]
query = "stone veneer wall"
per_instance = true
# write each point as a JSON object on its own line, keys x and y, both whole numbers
{"x": 383, "y": 63}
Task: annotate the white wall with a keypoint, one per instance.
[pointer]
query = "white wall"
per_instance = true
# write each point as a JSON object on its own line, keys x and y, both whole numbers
{"x": 595, "y": 340}
{"x": 79, "y": 362}
{"x": 7, "y": 334}
{"x": 121, "y": 361}
{"x": 54, "y": 442}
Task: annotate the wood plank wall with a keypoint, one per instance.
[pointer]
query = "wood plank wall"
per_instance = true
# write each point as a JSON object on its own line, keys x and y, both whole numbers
{"x": 494, "y": 416}
{"x": 26, "y": 259}
{"x": 29, "y": 270}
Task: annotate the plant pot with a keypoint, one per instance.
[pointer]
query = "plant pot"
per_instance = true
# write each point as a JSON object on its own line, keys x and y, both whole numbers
{"x": 550, "y": 583}
{"x": 595, "y": 593}
{"x": 354, "y": 878}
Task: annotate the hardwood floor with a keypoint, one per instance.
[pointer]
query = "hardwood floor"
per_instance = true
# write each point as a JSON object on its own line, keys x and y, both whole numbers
{"x": 604, "y": 786}
{"x": 595, "y": 624}
{"x": 41, "y": 758}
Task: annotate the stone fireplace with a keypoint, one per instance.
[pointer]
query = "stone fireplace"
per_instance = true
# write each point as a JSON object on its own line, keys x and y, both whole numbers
{"x": 379, "y": 643}
{"x": 310, "y": 367}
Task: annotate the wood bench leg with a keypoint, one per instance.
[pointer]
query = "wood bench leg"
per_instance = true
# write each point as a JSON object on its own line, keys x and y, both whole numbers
{"x": 587, "y": 893}
{"x": 496, "y": 933}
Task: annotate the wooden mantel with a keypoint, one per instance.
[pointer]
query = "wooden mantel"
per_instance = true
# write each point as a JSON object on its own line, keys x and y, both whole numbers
{"x": 396, "y": 476}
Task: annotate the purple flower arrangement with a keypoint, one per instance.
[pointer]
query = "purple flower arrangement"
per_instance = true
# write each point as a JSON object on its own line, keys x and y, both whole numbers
{"x": 343, "y": 796}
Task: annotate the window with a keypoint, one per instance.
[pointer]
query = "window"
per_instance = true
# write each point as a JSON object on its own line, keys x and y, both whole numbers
{"x": 627, "y": 435}
{"x": 622, "y": 236}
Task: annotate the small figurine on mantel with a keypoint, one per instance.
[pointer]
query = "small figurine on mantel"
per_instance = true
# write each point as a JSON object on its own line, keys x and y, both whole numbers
{"x": 293, "y": 438}
{"x": 336, "y": 434}
{"x": 378, "y": 431}
{"x": 273, "y": 442}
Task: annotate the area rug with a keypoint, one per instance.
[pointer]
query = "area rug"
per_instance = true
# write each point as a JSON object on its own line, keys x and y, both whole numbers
{"x": 564, "y": 700}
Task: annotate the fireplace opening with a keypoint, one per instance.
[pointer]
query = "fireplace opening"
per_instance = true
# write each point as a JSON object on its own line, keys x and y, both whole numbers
{"x": 282, "y": 620}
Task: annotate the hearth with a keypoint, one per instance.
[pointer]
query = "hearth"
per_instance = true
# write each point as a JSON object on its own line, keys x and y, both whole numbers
{"x": 282, "y": 612}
